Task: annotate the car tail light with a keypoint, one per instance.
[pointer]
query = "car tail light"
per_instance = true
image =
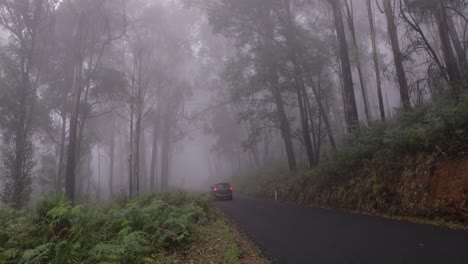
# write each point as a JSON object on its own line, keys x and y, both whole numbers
{"x": 231, "y": 188}
{"x": 215, "y": 189}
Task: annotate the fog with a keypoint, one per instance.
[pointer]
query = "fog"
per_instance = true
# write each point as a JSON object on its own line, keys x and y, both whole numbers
{"x": 105, "y": 98}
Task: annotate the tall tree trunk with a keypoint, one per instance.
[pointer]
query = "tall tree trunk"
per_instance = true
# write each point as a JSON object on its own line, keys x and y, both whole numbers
{"x": 143, "y": 170}
{"x": 266, "y": 145}
{"x": 20, "y": 143}
{"x": 63, "y": 136}
{"x": 343, "y": 93}
{"x": 79, "y": 141}
{"x": 304, "y": 115}
{"x": 111, "y": 158}
{"x": 154, "y": 158}
{"x": 453, "y": 71}
{"x": 165, "y": 149}
{"x": 90, "y": 180}
{"x": 122, "y": 156}
{"x": 370, "y": 15}
{"x": 295, "y": 54}
{"x": 313, "y": 130}
{"x": 323, "y": 113}
{"x": 276, "y": 92}
{"x": 461, "y": 54}
{"x": 136, "y": 161}
{"x": 70, "y": 180}
{"x": 358, "y": 58}
{"x": 398, "y": 58}
{"x": 284, "y": 125}
{"x": 165, "y": 157}
{"x": 130, "y": 160}
{"x": 98, "y": 191}
{"x": 255, "y": 156}
{"x": 352, "y": 117}
{"x": 319, "y": 139}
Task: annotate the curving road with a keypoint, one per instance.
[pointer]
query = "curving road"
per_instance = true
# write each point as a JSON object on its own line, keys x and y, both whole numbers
{"x": 299, "y": 234}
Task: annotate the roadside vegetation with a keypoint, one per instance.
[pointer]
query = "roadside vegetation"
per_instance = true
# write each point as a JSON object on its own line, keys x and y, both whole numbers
{"x": 173, "y": 227}
{"x": 388, "y": 168}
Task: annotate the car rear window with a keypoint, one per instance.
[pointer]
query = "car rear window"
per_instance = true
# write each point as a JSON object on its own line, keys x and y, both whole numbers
{"x": 223, "y": 185}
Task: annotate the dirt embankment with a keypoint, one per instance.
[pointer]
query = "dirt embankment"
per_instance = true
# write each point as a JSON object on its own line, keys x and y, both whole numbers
{"x": 449, "y": 180}
{"x": 436, "y": 190}
{"x": 448, "y": 183}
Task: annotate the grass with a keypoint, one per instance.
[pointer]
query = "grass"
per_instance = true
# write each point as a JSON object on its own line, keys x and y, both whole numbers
{"x": 218, "y": 242}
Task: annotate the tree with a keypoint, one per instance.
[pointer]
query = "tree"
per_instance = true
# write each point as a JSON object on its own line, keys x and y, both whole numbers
{"x": 251, "y": 25}
{"x": 295, "y": 55}
{"x": 154, "y": 153}
{"x": 398, "y": 58}
{"x": 110, "y": 85}
{"x": 351, "y": 109}
{"x": 92, "y": 35}
{"x": 415, "y": 14}
{"x": 350, "y": 18}
{"x": 27, "y": 23}
{"x": 370, "y": 15}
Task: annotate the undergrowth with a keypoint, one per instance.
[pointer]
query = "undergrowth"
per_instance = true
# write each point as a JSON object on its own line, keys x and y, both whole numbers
{"x": 128, "y": 231}
{"x": 372, "y": 162}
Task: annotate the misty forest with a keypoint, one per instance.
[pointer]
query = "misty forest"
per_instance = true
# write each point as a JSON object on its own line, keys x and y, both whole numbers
{"x": 122, "y": 111}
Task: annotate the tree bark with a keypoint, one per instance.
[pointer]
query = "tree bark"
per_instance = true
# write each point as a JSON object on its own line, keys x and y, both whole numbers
{"x": 453, "y": 71}
{"x": 63, "y": 135}
{"x": 352, "y": 118}
{"x": 143, "y": 171}
{"x": 138, "y": 117}
{"x": 397, "y": 56}
{"x": 457, "y": 44}
{"x": 284, "y": 125}
{"x": 20, "y": 143}
{"x": 165, "y": 155}
{"x": 323, "y": 115}
{"x": 70, "y": 180}
{"x": 98, "y": 191}
{"x": 313, "y": 129}
{"x": 111, "y": 158}
{"x": 370, "y": 15}
{"x": 295, "y": 54}
{"x": 136, "y": 161}
{"x": 130, "y": 160}
{"x": 358, "y": 58}
{"x": 154, "y": 158}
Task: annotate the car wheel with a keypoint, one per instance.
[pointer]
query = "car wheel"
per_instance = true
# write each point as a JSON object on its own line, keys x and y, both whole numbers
{"x": 230, "y": 198}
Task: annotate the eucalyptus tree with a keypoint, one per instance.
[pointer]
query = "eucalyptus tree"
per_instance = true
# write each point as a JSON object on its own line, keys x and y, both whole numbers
{"x": 27, "y": 23}
{"x": 419, "y": 16}
{"x": 142, "y": 57}
{"x": 250, "y": 24}
{"x": 110, "y": 85}
{"x": 351, "y": 24}
{"x": 96, "y": 25}
{"x": 351, "y": 112}
{"x": 371, "y": 17}
{"x": 157, "y": 53}
{"x": 397, "y": 55}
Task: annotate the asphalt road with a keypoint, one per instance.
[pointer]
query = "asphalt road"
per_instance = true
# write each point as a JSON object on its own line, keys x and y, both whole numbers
{"x": 299, "y": 234}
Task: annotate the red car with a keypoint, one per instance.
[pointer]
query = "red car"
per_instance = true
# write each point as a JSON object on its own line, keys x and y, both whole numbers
{"x": 222, "y": 191}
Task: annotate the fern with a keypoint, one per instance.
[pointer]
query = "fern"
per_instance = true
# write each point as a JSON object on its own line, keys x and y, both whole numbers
{"x": 131, "y": 231}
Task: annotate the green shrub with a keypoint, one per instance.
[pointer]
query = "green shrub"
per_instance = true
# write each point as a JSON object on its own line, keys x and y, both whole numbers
{"x": 436, "y": 130}
{"x": 130, "y": 231}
